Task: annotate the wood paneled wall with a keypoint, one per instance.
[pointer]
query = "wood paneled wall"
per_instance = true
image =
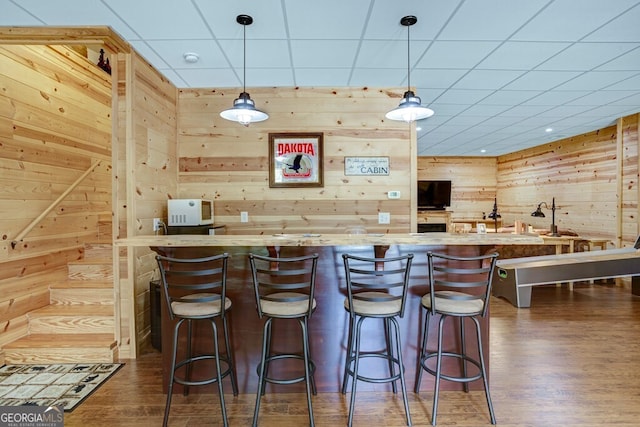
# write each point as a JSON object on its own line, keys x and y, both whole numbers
{"x": 473, "y": 183}
{"x": 593, "y": 177}
{"x": 228, "y": 163}
{"x": 55, "y": 122}
{"x": 147, "y": 176}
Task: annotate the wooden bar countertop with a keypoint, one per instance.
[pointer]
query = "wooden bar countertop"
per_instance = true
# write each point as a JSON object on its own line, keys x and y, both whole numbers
{"x": 332, "y": 239}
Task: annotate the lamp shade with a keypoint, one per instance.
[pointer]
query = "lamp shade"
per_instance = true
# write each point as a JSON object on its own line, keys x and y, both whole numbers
{"x": 244, "y": 111}
{"x": 410, "y": 109}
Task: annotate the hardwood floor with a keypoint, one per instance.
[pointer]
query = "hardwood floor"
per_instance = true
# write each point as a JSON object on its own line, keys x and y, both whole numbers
{"x": 572, "y": 359}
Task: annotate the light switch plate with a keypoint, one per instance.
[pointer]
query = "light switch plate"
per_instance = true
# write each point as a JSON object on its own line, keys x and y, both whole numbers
{"x": 384, "y": 218}
{"x": 394, "y": 194}
{"x": 244, "y": 216}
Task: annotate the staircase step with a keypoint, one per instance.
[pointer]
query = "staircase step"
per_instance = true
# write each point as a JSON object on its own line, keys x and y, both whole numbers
{"x": 91, "y": 269}
{"x": 72, "y": 319}
{"x": 62, "y": 348}
{"x": 81, "y": 294}
{"x": 95, "y": 250}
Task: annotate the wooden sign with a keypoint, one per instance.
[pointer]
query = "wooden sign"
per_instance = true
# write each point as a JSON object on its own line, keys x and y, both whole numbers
{"x": 366, "y": 166}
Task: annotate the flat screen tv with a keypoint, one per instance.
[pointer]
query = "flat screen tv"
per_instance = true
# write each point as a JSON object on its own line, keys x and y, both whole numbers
{"x": 434, "y": 195}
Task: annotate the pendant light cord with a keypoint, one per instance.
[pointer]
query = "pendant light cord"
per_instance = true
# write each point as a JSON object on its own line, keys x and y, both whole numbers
{"x": 244, "y": 65}
{"x": 408, "y": 59}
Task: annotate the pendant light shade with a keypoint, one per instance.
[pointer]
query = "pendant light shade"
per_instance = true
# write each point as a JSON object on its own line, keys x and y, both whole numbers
{"x": 244, "y": 109}
{"x": 410, "y": 108}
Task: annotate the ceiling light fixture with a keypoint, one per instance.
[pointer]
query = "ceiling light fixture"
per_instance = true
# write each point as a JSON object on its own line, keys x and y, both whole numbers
{"x": 244, "y": 109}
{"x": 191, "y": 57}
{"x": 410, "y": 108}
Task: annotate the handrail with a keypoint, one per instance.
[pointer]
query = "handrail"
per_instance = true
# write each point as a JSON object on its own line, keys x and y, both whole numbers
{"x": 52, "y": 206}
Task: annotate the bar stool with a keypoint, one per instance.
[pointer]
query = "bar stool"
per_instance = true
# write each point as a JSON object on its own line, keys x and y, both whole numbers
{"x": 376, "y": 289}
{"x": 195, "y": 290}
{"x": 284, "y": 289}
{"x": 459, "y": 287}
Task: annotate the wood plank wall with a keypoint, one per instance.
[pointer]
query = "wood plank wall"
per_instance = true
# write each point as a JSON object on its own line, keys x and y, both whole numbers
{"x": 581, "y": 172}
{"x": 147, "y": 166}
{"x": 228, "y": 163}
{"x": 473, "y": 183}
{"x": 55, "y": 122}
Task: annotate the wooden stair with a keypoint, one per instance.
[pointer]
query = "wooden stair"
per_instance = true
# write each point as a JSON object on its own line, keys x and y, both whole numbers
{"x": 78, "y": 325}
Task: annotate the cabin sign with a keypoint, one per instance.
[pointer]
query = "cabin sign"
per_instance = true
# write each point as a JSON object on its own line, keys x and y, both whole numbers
{"x": 366, "y": 166}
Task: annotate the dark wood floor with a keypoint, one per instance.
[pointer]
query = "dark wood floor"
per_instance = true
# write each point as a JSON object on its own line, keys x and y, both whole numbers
{"x": 572, "y": 359}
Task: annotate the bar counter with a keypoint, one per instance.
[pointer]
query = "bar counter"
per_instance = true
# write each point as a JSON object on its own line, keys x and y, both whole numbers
{"x": 328, "y": 325}
{"x": 373, "y": 239}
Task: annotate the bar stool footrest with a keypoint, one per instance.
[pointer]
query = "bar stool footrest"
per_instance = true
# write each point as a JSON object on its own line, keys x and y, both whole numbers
{"x": 458, "y": 379}
{"x": 205, "y": 381}
{"x": 276, "y": 357}
{"x": 372, "y": 380}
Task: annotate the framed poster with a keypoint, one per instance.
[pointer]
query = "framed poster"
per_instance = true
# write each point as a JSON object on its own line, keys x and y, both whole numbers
{"x": 295, "y": 159}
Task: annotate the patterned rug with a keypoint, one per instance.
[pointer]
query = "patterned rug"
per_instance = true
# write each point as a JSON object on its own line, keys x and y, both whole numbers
{"x": 63, "y": 385}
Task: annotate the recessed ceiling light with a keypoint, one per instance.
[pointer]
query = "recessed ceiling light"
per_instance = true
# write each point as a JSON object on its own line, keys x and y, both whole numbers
{"x": 548, "y": 130}
{"x": 418, "y": 128}
{"x": 483, "y": 151}
{"x": 191, "y": 57}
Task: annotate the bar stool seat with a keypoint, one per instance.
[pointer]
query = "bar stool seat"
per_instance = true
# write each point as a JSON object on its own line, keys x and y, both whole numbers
{"x": 459, "y": 288}
{"x": 284, "y": 289}
{"x": 376, "y": 289}
{"x": 194, "y": 290}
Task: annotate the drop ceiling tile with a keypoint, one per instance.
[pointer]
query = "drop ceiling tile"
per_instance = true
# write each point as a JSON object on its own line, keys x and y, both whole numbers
{"x": 487, "y": 79}
{"x": 463, "y": 96}
{"x": 376, "y": 77}
{"x": 202, "y": 77}
{"x": 456, "y": 54}
{"x": 525, "y": 111}
{"x": 383, "y": 54}
{"x": 564, "y": 111}
{"x": 485, "y": 110}
{"x": 600, "y": 97}
{"x": 14, "y": 15}
{"x": 556, "y": 97}
{"x": 586, "y": 56}
{"x": 328, "y": 19}
{"x": 489, "y": 20}
{"x": 521, "y": 55}
{"x": 430, "y": 78}
{"x": 268, "y": 20}
{"x": 70, "y": 12}
{"x": 632, "y": 100}
{"x": 541, "y": 80}
{"x": 269, "y": 77}
{"x": 563, "y": 20}
{"x": 632, "y": 83}
{"x": 623, "y": 28}
{"x": 596, "y": 80}
{"x": 444, "y": 109}
{"x": 210, "y": 55}
{"x": 175, "y": 19}
{"x": 324, "y": 54}
{"x": 149, "y": 54}
{"x": 509, "y": 97}
{"x": 260, "y": 53}
{"x": 628, "y": 61}
{"x": 384, "y": 21}
{"x": 173, "y": 77}
{"x": 327, "y": 77}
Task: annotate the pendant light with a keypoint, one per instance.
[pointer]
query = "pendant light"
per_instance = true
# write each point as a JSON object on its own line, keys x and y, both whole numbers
{"x": 410, "y": 108}
{"x": 244, "y": 109}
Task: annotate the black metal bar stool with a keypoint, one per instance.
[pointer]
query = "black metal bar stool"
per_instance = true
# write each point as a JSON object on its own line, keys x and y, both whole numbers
{"x": 195, "y": 290}
{"x": 459, "y": 287}
{"x": 284, "y": 289}
{"x": 376, "y": 289}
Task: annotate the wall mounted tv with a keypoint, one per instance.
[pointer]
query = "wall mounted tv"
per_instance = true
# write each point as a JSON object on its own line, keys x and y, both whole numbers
{"x": 434, "y": 195}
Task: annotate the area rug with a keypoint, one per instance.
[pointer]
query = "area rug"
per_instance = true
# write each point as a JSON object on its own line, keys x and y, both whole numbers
{"x": 64, "y": 385}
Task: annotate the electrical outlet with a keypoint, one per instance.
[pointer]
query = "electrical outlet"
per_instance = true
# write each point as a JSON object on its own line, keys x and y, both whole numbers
{"x": 384, "y": 218}
{"x": 394, "y": 194}
{"x": 157, "y": 223}
{"x": 244, "y": 216}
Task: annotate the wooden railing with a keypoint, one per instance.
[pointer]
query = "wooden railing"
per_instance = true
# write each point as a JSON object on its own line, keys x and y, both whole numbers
{"x": 20, "y": 236}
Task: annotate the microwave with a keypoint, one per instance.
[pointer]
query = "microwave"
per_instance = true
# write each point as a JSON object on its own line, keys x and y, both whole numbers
{"x": 189, "y": 212}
